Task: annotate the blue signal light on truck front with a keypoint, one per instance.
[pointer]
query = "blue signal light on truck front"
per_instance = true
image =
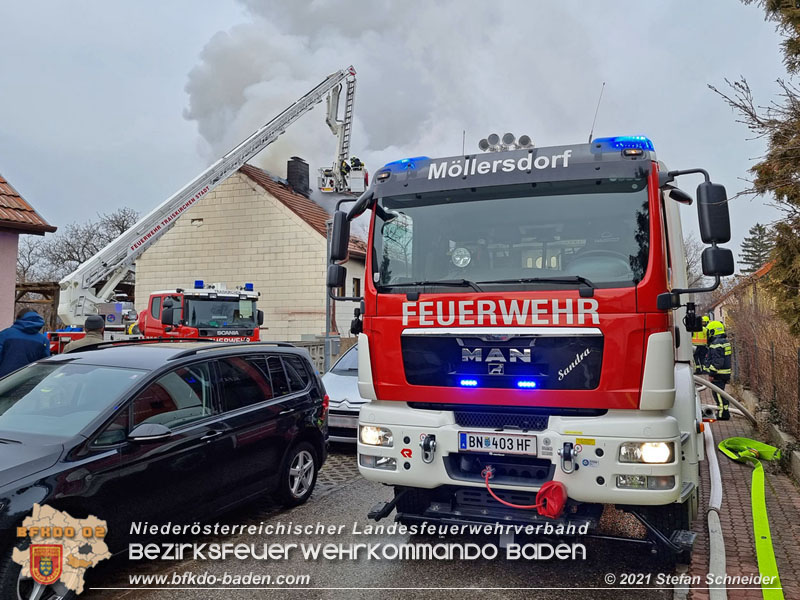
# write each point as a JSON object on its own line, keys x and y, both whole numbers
{"x": 198, "y": 284}
{"x": 404, "y": 164}
{"x": 248, "y": 287}
{"x": 526, "y": 384}
{"x": 468, "y": 383}
{"x": 621, "y": 142}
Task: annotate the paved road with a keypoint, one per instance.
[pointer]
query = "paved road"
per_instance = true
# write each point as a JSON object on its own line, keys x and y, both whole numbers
{"x": 343, "y": 498}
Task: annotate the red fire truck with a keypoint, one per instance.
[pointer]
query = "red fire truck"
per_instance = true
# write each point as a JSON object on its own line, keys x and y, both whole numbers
{"x": 523, "y": 329}
{"x": 206, "y": 311}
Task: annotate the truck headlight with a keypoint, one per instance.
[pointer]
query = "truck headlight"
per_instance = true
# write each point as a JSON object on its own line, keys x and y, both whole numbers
{"x": 646, "y": 452}
{"x": 375, "y": 436}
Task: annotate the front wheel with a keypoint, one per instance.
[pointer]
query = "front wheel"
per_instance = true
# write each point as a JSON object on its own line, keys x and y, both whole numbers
{"x": 16, "y": 587}
{"x": 298, "y": 475}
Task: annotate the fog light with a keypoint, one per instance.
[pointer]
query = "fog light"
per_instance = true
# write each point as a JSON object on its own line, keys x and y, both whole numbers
{"x": 375, "y": 436}
{"x": 646, "y": 452}
{"x": 660, "y": 482}
{"x": 632, "y": 481}
{"x": 378, "y": 462}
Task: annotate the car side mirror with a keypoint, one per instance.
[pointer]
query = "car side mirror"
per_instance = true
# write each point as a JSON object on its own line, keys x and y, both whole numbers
{"x": 167, "y": 316}
{"x": 712, "y": 213}
{"x": 340, "y": 236}
{"x": 717, "y": 262}
{"x": 149, "y": 432}
{"x": 260, "y": 316}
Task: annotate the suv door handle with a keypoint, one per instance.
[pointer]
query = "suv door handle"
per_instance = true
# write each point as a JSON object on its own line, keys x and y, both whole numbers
{"x": 210, "y": 435}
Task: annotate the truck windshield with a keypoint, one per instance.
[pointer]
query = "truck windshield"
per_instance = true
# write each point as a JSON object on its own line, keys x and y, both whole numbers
{"x": 220, "y": 313}
{"x": 551, "y": 235}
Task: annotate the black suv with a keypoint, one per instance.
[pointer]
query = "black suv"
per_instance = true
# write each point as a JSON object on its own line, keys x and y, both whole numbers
{"x": 155, "y": 432}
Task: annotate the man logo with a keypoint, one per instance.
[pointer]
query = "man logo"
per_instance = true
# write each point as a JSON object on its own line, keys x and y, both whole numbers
{"x": 496, "y": 355}
{"x": 496, "y": 369}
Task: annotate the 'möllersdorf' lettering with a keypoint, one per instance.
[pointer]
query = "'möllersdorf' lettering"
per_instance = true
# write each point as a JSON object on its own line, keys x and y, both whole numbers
{"x": 503, "y": 312}
{"x": 480, "y": 166}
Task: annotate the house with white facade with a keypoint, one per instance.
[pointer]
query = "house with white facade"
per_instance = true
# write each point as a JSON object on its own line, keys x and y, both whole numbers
{"x": 261, "y": 229}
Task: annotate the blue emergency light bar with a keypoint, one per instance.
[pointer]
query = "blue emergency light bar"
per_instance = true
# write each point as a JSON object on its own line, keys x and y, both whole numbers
{"x": 621, "y": 142}
{"x": 198, "y": 284}
{"x": 525, "y": 384}
{"x": 248, "y": 287}
{"x": 404, "y": 164}
{"x": 468, "y": 383}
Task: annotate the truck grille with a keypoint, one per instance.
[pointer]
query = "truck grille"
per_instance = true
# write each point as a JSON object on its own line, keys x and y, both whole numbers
{"x": 499, "y": 420}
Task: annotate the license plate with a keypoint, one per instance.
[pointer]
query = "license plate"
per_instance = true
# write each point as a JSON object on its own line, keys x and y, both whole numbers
{"x": 497, "y": 443}
{"x": 343, "y": 421}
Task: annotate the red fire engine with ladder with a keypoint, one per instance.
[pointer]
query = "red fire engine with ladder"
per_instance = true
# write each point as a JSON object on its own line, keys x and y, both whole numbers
{"x": 523, "y": 338}
{"x": 80, "y": 296}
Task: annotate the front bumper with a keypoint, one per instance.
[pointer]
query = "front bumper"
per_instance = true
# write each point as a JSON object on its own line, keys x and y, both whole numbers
{"x": 342, "y": 426}
{"x": 596, "y": 439}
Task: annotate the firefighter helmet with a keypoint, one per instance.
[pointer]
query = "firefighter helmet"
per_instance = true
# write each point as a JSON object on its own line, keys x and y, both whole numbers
{"x": 715, "y": 328}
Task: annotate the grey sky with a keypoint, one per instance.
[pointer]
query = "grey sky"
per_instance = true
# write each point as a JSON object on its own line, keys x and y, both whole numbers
{"x": 118, "y": 104}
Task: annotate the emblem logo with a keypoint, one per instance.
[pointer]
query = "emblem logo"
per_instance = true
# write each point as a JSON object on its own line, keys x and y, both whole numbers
{"x": 46, "y": 562}
{"x": 496, "y": 369}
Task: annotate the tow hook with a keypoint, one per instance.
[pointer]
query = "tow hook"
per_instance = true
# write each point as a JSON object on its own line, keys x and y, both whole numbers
{"x": 428, "y": 444}
{"x": 567, "y": 454}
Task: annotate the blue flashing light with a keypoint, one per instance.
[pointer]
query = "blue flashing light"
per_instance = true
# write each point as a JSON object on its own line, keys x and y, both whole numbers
{"x": 404, "y": 164}
{"x": 198, "y": 284}
{"x": 526, "y": 384}
{"x": 621, "y": 142}
{"x": 468, "y": 383}
{"x": 248, "y": 287}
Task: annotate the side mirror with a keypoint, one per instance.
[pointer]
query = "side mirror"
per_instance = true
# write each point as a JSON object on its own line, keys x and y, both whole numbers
{"x": 337, "y": 275}
{"x": 149, "y": 432}
{"x": 260, "y": 317}
{"x": 167, "y": 316}
{"x": 340, "y": 236}
{"x": 717, "y": 262}
{"x": 712, "y": 212}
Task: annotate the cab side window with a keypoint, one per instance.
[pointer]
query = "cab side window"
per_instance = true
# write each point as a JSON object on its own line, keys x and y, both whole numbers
{"x": 245, "y": 381}
{"x": 155, "y": 307}
{"x": 180, "y": 397}
{"x": 280, "y": 383}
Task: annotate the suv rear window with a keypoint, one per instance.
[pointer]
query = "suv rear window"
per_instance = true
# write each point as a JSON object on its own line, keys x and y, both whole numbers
{"x": 298, "y": 375}
{"x": 244, "y": 381}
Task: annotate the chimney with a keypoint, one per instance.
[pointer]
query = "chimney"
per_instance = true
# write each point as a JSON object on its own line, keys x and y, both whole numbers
{"x": 297, "y": 175}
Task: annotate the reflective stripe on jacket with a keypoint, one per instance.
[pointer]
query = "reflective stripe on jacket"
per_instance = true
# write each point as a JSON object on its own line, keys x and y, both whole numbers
{"x": 699, "y": 338}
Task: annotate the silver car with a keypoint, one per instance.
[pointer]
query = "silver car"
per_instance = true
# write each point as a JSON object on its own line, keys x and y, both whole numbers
{"x": 341, "y": 383}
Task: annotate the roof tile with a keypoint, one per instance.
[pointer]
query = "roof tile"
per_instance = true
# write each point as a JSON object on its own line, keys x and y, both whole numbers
{"x": 308, "y": 210}
{"x": 17, "y": 214}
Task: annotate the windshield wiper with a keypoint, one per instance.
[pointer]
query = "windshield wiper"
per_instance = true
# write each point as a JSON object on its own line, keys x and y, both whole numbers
{"x": 448, "y": 282}
{"x": 586, "y": 292}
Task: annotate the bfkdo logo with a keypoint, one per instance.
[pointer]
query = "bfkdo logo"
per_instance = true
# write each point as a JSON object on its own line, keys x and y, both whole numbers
{"x": 46, "y": 562}
{"x": 61, "y": 548}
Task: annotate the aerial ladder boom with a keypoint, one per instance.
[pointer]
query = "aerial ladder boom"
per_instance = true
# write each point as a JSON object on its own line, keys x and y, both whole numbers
{"x": 111, "y": 265}
{"x": 339, "y": 179}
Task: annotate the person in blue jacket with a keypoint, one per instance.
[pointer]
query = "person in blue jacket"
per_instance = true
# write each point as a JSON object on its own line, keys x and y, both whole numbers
{"x": 22, "y": 343}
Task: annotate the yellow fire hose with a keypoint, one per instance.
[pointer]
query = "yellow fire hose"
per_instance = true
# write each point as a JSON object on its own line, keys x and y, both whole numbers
{"x": 745, "y": 450}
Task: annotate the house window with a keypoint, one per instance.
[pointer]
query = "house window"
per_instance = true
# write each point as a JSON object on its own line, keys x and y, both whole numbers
{"x": 356, "y": 286}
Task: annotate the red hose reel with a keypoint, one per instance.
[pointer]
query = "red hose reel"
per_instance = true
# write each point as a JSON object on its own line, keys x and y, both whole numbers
{"x": 550, "y": 499}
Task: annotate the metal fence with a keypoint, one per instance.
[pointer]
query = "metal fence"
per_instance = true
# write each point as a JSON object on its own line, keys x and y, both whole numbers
{"x": 772, "y": 373}
{"x": 317, "y": 350}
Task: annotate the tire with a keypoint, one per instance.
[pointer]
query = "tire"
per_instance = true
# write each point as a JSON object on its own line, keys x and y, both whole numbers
{"x": 298, "y": 475}
{"x": 14, "y": 587}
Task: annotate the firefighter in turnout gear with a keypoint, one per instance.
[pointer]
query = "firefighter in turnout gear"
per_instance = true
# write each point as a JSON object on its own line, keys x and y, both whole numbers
{"x": 700, "y": 343}
{"x": 718, "y": 364}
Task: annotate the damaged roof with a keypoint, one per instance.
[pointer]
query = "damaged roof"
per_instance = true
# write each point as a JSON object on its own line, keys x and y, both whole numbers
{"x": 16, "y": 214}
{"x": 308, "y": 210}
